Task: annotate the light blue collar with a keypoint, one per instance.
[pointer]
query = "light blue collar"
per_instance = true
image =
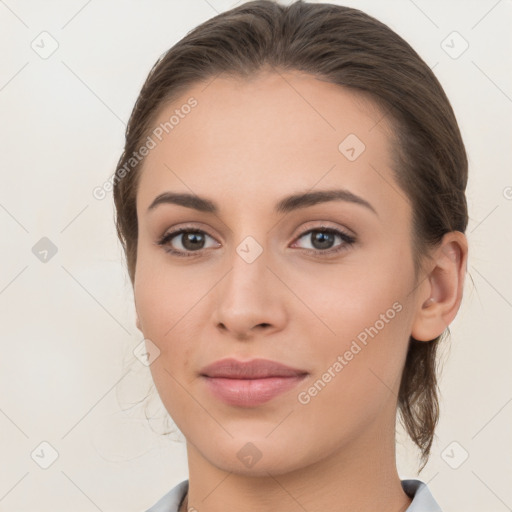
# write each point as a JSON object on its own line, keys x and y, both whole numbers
{"x": 422, "y": 499}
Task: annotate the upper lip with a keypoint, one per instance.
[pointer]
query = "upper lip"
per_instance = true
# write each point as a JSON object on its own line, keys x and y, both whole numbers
{"x": 253, "y": 369}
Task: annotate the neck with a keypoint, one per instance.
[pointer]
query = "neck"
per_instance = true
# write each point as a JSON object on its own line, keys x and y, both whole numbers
{"x": 358, "y": 478}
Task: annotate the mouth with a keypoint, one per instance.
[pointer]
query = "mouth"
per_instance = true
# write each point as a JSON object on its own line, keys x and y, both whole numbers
{"x": 250, "y": 383}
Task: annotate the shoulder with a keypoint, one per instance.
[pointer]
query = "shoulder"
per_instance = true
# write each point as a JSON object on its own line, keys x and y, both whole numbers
{"x": 422, "y": 499}
{"x": 170, "y": 502}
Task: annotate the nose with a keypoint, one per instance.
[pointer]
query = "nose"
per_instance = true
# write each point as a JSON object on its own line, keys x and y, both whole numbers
{"x": 250, "y": 299}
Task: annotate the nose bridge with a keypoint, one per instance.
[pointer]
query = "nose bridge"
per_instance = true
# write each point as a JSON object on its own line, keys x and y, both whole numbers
{"x": 248, "y": 274}
{"x": 249, "y": 249}
{"x": 246, "y": 297}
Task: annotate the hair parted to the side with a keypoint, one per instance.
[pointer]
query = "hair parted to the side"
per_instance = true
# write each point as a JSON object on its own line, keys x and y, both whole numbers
{"x": 352, "y": 49}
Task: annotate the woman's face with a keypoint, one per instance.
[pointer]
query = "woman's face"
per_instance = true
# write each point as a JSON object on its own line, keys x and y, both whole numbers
{"x": 323, "y": 285}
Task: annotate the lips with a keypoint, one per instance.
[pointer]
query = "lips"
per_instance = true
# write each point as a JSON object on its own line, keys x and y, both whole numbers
{"x": 249, "y": 383}
{"x": 253, "y": 369}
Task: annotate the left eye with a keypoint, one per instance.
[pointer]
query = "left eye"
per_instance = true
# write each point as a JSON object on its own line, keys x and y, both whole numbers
{"x": 323, "y": 239}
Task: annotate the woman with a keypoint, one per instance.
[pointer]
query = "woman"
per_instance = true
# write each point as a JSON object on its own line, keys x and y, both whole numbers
{"x": 291, "y": 202}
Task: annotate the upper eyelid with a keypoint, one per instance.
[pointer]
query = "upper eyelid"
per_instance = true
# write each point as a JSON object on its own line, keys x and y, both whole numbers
{"x": 310, "y": 225}
{"x": 318, "y": 225}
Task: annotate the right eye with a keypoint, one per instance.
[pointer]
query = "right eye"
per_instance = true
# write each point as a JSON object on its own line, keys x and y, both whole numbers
{"x": 191, "y": 240}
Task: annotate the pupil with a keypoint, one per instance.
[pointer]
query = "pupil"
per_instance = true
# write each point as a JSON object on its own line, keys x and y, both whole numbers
{"x": 193, "y": 241}
{"x": 322, "y": 240}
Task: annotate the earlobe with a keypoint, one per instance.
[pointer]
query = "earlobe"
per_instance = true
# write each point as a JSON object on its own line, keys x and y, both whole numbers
{"x": 440, "y": 296}
{"x": 137, "y": 320}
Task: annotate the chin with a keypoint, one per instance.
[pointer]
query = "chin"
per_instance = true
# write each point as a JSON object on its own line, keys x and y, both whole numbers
{"x": 254, "y": 456}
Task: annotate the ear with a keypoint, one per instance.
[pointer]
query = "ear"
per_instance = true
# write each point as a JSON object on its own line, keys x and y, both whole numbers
{"x": 440, "y": 294}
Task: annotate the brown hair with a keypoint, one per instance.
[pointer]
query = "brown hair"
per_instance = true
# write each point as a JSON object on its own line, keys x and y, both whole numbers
{"x": 350, "y": 48}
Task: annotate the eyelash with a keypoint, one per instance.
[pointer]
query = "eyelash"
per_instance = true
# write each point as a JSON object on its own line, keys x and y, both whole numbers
{"x": 347, "y": 239}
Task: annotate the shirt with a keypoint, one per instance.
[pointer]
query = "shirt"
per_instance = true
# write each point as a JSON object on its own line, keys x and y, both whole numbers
{"x": 422, "y": 499}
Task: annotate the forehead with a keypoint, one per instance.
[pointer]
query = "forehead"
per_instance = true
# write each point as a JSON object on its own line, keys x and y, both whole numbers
{"x": 268, "y": 136}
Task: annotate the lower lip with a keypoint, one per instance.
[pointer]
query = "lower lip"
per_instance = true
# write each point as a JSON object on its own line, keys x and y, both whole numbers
{"x": 250, "y": 392}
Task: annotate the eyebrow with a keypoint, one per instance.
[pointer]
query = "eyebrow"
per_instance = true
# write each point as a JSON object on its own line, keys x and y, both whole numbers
{"x": 285, "y": 205}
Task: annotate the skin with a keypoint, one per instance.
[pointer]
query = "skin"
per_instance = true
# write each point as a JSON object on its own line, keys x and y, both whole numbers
{"x": 246, "y": 145}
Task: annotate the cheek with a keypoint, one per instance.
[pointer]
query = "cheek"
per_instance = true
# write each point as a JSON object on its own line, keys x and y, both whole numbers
{"x": 164, "y": 296}
{"x": 170, "y": 372}
{"x": 351, "y": 298}
{"x": 366, "y": 308}
{"x": 358, "y": 374}
{"x": 164, "y": 307}
{"x": 167, "y": 300}
{"x": 162, "y": 313}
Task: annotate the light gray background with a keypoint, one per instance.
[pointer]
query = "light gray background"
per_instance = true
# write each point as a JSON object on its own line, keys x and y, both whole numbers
{"x": 68, "y": 327}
